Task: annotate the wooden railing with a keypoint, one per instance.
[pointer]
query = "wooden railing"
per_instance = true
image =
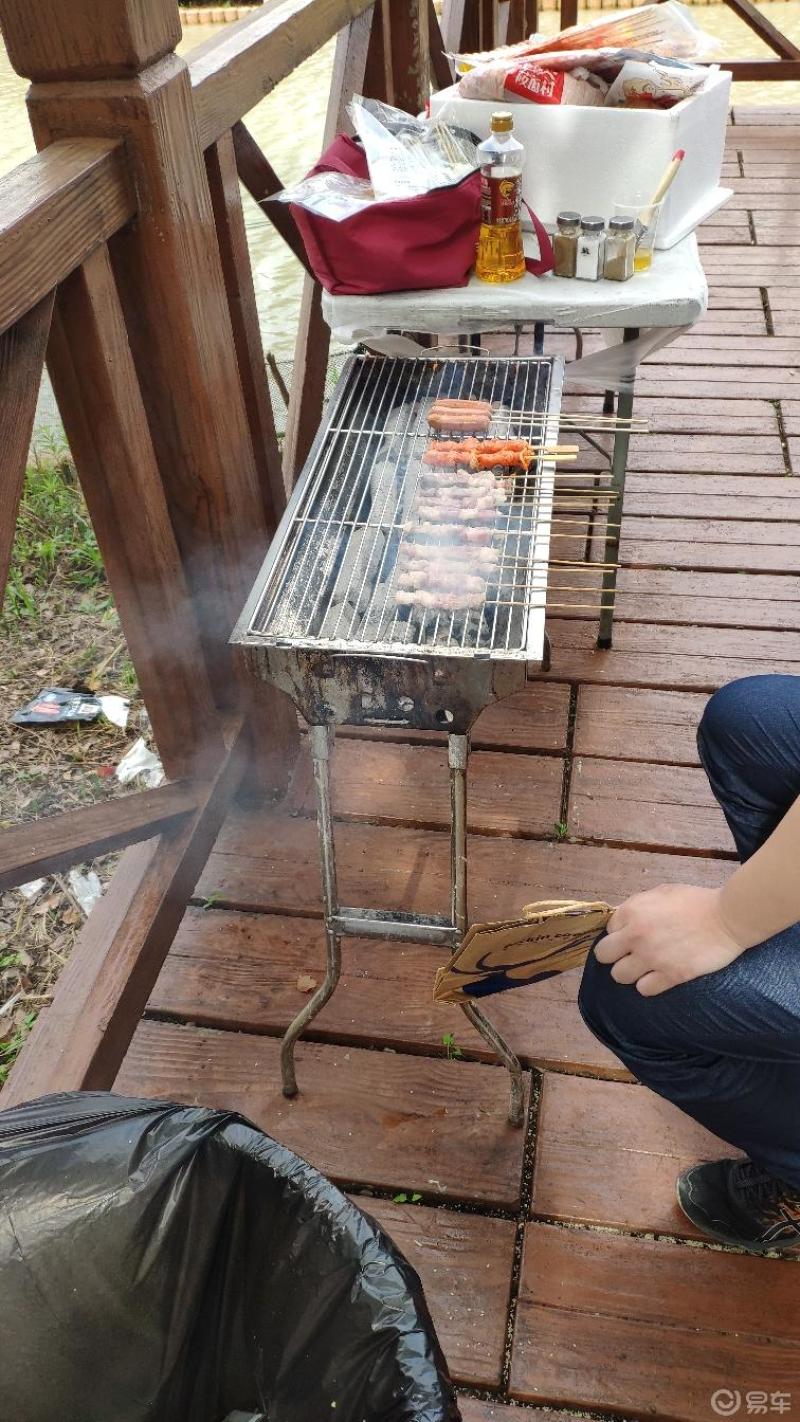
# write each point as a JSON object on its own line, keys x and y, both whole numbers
{"x": 124, "y": 264}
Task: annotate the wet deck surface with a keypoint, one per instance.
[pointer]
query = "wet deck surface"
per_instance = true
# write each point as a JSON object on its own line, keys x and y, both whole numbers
{"x": 558, "y": 1270}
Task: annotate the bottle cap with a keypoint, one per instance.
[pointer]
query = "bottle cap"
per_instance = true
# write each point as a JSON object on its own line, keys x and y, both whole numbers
{"x": 568, "y": 219}
{"x": 502, "y": 122}
{"x": 593, "y": 224}
{"x": 621, "y": 224}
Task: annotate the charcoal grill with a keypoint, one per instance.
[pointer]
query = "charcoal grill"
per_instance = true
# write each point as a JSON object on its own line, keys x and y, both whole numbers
{"x": 323, "y": 624}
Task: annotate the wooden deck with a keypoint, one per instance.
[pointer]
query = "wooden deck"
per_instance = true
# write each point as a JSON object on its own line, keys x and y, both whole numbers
{"x": 558, "y": 1269}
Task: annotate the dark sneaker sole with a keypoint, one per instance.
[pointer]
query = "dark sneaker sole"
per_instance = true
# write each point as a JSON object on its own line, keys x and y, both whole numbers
{"x": 734, "y": 1241}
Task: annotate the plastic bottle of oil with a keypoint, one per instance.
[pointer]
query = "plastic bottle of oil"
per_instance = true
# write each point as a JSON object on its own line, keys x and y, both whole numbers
{"x": 500, "y": 256}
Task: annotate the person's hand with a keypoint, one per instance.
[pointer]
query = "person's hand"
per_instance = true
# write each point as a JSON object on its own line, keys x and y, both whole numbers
{"x": 668, "y": 936}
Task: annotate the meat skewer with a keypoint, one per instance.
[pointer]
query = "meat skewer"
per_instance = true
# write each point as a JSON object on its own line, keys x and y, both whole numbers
{"x": 417, "y": 553}
{"x": 442, "y": 601}
{"x": 449, "y": 531}
{"x": 442, "y": 578}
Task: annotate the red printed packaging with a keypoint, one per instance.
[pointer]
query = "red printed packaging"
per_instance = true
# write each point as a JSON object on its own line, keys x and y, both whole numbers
{"x": 538, "y": 85}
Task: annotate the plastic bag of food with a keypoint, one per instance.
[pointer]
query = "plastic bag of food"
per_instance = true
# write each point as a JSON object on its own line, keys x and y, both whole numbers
{"x": 534, "y": 81}
{"x": 333, "y": 195}
{"x": 408, "y": 156}
{"x": 651, "y": 85}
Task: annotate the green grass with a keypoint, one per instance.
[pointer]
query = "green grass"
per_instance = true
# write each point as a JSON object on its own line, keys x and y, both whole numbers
{"x": 54, "y": 535}
{"x": 452, "y": 1049}
{"x": 10, "y": 1049}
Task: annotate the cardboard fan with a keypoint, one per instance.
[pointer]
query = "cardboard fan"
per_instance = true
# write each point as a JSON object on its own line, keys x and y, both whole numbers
{"x": 549, "y": 938}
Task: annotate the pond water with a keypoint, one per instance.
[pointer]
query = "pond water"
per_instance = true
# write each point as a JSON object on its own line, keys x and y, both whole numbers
{"x": 289, "y": 125}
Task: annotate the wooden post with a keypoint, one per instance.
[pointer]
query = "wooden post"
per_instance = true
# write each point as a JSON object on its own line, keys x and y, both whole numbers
{"x": 169, "y": 276}
{"x": 22, "y": 351}
{"x": 313, "y": 336}
{"x": 168, "y": 272}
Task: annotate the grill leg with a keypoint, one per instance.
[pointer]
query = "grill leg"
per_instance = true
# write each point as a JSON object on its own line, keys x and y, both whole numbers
{"x": 619, "y": 467}
{"x": 457, "y": 754}
{"x": 321, "y": 741}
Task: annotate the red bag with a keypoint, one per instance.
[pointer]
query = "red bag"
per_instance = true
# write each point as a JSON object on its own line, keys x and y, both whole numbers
{"x": 408, "y": 244}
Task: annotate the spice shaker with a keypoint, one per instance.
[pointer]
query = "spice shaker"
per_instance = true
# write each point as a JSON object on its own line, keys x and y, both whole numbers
{"x": 620, "y": 249}
{"x": 589, "y": 255}
{"x": 565, "y": 243}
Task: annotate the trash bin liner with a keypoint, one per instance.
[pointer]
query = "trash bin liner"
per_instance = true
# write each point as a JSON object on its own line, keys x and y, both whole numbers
{"x": 173, "y": 1264}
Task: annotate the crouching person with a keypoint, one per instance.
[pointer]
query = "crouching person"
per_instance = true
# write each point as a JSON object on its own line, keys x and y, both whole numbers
{"x": 697, "y": 990}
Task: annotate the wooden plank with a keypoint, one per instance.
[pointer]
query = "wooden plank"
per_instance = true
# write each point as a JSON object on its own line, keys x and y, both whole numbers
{"x": 609, "y": 1154}
{"x": 535, "y": 718}
{"x": 270, "y": 861}
{"x": 95, "y": 382}
{"x": 647, "y": 805}
{"x": 690, "y": 611}
{"x": 240, "y": 972}
{"x": 233, "y": 70}
{"x": 409, "y": 46}
{"x": 679, "y": 658}
{"x": 55, "y": 842}
{"x": 55, "y": 209}
{"x": 441, "y": 70}
{"x": 226, "y": 202}
{"x": 312, "y": 344}
{"x": 397, "y": 784}
{"x": 80, "y": 1040}
{"x": 722, "y": 544}
{"x": 475, "y": 1410}
{"x": 719, "y": 351}
{"x": 699, "y": 454}
{"x": 22, "y": 350}
{"x": 129, "y": 36}
{"x": 638, "y": 725}
{"x": 646, "y": 1327}
{"x": 262, "y": 182}
{"x": 764, "y": 28}
{"x": 741, "y": 557}
{"x": 671, "y": 495}
{"x": 168, "y": 273}
{"x": 464, "y": 1262}
{"x": 391, "y": 1122}
{"x": 786, "y": 537}
{"x": 778, "y": 591}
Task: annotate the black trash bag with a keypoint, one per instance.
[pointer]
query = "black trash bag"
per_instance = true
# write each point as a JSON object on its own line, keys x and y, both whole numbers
{"x": 173, "y": 1264}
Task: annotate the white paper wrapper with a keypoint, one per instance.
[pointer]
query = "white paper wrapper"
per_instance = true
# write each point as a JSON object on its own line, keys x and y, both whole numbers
{"x": 140, "y": 761}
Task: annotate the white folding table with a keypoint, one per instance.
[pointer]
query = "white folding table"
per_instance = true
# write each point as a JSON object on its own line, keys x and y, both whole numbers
{"x": 672, "y": 294}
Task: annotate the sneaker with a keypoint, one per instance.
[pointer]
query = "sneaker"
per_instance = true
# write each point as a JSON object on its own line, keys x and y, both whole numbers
{"x": 738, "y": 1203}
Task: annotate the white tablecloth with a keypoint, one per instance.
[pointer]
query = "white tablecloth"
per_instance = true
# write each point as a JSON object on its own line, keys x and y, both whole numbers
{"x": 661, "y": 303}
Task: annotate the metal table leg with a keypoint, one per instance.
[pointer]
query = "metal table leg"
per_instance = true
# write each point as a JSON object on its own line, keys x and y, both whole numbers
{"x": 321, "y": 742}
{"x": 457, "y": 755}
{"x": 619, "y": 467}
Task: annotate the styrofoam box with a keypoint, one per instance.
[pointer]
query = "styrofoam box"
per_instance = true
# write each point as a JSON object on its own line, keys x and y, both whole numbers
{"x": 587, "y": 159}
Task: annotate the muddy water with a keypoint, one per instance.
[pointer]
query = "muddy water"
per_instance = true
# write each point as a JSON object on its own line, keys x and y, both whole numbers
{"x": 289, "y": 125}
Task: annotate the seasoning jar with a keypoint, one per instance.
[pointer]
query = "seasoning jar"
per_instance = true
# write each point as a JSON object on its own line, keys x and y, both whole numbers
{"x": 565, "y": 243}
{"x": 620, "y": 249}
{"x": 589, "y": 255}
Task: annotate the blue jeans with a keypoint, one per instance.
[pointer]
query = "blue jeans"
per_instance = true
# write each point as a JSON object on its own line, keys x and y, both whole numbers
{"x": 725, "y": 1048}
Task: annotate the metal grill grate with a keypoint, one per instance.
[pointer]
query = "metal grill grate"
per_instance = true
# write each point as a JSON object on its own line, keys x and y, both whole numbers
{"x": 331, "y": 577}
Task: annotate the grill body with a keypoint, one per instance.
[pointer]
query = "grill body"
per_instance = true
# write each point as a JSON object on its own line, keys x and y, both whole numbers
{"x": 323, "y": 622}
